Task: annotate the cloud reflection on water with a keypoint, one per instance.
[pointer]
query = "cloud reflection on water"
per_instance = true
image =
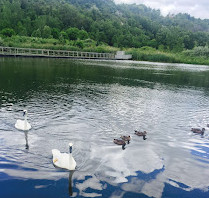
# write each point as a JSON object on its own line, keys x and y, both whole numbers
{"x": 92, "y": 111}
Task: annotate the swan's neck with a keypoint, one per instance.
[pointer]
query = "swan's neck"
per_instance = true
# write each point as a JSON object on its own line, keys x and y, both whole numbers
{"x": 25, "y": 117}
{"x": 70, "y": 153}
{"x": 70, "y": 156}
{"x": 70, "y": 149}
{"x": 25, "y": 122}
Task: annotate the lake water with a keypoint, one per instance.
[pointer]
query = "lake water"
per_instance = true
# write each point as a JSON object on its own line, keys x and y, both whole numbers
{"x": 89, "y": 103}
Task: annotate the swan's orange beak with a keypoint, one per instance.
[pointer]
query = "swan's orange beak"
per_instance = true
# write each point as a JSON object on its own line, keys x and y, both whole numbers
{"x": 55, "y": 160}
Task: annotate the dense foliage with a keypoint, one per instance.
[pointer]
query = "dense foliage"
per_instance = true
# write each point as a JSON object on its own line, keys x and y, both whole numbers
{"x": 103, "y": 21}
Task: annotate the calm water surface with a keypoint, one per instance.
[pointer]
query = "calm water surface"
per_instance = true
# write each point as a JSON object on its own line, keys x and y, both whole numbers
{"x": 90, "y": 103}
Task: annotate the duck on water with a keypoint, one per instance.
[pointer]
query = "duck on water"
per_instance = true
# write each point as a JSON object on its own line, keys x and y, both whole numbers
{"x": 199, "y": 131}
{"x": 120, "y": 142}
{"x": 141, "y": 134}
{"x": 126, "y": 138}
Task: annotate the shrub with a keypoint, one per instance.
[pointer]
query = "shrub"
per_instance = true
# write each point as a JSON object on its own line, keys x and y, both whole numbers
{"x": 36, "y": 33}
{"x": 83, "y": 35}
{"x": 46, "y": 33}
{"x": 8, "y": 32}
{"x": 147, "y": 48}
{"x": 198, "y": 51}
{"x": 73, "y": 33}
{"x": 79, "y": 44}
{"x": 55, "y": 33}
{"x": 1, "y": 42}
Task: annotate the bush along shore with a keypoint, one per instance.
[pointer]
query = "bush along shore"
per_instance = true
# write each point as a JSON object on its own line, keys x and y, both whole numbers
{"x": 198, "y": 55}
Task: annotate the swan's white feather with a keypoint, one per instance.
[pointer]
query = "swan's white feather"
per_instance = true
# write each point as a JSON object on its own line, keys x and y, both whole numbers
{"x": 63, "y": 160}
{"x": 22, "y": 125}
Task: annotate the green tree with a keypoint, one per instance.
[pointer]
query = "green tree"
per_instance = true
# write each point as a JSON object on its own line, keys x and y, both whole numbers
{"x": 63, "y": 36}
{"x": 1, "y": 42}
{"x": 202, "y": 39}
{"x": 8, "y": 32}
{"x": 83, "y": 35}
{"x": 46, "y": 32}
{"x": 73, "y": 33}
{"x": 105, "y": 22}
{"x": 21, "y": 30}
{"x": 36, "y": 33}
{"x": 55, "y": 33}
{"x": 79, "y": 44}
{"x": 189, "y": 41}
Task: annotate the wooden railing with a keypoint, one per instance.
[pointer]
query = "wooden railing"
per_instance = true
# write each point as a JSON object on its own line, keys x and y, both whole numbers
{"x": 13, "y": 51}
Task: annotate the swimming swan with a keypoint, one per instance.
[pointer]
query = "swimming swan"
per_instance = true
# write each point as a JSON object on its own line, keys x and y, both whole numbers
{"x": 23, "y": 124}
{"x": 64, "y": 160}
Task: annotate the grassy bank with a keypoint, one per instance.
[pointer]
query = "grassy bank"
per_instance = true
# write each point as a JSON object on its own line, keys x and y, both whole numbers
{"x": 89, "y": 45}
{"x": 153, "y": 55}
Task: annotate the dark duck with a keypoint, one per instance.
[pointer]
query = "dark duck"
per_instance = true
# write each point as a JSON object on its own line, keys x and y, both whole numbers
{"x": 199, "y": 131}
{"x": 141, "y": 134}
{"x": 126, "y": 138}
{"x": 120, "y": 142}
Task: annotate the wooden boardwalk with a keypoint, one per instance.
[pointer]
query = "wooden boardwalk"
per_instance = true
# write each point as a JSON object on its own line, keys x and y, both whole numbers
{"x": 13, "y": 51}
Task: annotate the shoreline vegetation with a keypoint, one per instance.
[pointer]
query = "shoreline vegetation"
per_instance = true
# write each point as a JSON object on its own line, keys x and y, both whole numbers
{"x": 103, "y": 26}
{"x": 197, "y": 55}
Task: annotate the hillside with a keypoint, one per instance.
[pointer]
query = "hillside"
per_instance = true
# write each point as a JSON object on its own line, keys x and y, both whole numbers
{"x": 102, "y": 21}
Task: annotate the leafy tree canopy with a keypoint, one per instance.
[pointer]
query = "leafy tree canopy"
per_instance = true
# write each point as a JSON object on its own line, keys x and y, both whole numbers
{"x": 102, "y": 21}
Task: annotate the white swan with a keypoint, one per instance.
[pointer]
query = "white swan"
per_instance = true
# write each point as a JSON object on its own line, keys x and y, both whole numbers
{"x": 64, "y": 160}
{"x": 23, "y": 124}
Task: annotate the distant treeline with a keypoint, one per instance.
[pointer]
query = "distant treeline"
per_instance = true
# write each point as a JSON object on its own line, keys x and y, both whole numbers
{"x": 129, "y": 26}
